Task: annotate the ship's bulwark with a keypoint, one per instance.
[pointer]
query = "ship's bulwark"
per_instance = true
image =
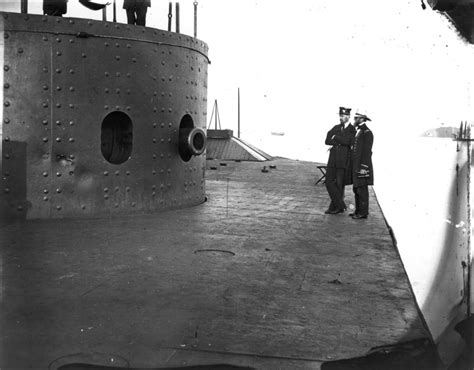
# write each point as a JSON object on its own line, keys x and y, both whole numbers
{"x": 257, "y": 276}
{"x": 94, "y": 117}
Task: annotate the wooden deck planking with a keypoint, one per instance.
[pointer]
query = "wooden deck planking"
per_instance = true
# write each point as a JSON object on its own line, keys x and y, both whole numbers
{"x": 259, "y": 269}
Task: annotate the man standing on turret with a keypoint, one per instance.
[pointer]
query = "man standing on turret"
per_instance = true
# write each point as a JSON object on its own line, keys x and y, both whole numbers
{"x": 136, "y": 11}
{"x": 341, "y": 138}
{"x": 362, "y": 170}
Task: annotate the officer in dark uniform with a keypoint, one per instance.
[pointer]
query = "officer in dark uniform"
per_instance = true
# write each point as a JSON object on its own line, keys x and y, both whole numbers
{"x": 341, "y": 138}
{"x": 362, "y": 170}
{"x": 136, "y": 11}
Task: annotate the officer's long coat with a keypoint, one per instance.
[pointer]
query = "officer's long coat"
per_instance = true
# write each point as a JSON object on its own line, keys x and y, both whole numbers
{"x": 340, "y": 152}
{"x": 361, "y": 157}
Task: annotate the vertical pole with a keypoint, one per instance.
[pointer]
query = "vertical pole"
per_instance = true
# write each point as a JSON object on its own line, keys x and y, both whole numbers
{"x": 170, "y": 15}
{"x": 177, "y": 17}
{"x": 104, "y": 14}
{"x": 217, "y": 113}
{"x": 24, "y": 6}
{"x": 195, "y": 18}
{"x": 115, "y": 11}
{"x": 238, "y": 112}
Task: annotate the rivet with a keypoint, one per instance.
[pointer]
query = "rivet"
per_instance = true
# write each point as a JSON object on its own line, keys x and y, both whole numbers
{"x": 117, "y": 107}
{"x": 117, "y": 189}
{"x": 45, "y": 69}
{"x": 106, "y": 90}
{"x": 7, "y": 156}
{"x": 107, "y": 74}
{"x": 6, "y": 68}
{"x": 153, "y": 194}
{"x": 58, "y": 191}
{"x": 71, "y": 123}
{"x": 128, "y": 108}
{"x": 45, "y": 198}
{"x": 106, "y": 44}
{"x": 106, "y": 173}
{"x": 71, "y": 140}
{"x": 45, "y": 174}
{"x": 71, "y": 71}
{"x": 117, "y": 45}
{"x": 58, "y": 105}
{"x": 153, "y": 187}
{"x": 7, "y": 138}
{"x": 84, "y": 55}
{"x": 72, "y": 156}
{"x": 6, "y": 85}
{"x": 71, "y": 41}
{"x": 58, "y": 122}
{"x": 7, "y": 190}
{"x": 106, "y": 196}
{"x": 128, "y": 91}
{"x": 155, "y": 124}
{"x": 83, "y": 206}
{"x": 71, "y": 88}
{"x": 129, "y": 46}
{"x": 106, "y": 107}
{"x": 116, "y": 205}
{"x": 117, "y": 91}
{"x": 117, "y": 173}
{"x": 7, "y": 104}
{"x": 71, "y": 21}
{"x": 58, "y": 53}
{"x": 6, "y": 174}
{"x": 71, "y": 106}
{"x": 134, "y": 60}
{"x": 45, "y": 105}
{"x": 58, "y": 70}
{"x": 45, "y": 139}
{"x": 58, "y": 208}
{"x": 127, "y": 173}
{"x": 58, "y": 174}
{"x": 117, "y": 74}
{"x": 106, "y": 190}
{"x": 46, "y": 191}
{"x": 129, "y": 75}
{"x": 128, "y": 189}
{"x": 133, "y": 204}
{"x": 45, "y": 38}
{"x": 58, "y": 88}
{"x": 154, "y": 140}
{"x": 19, "y": 208}
{"x": 153, "y": 172}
